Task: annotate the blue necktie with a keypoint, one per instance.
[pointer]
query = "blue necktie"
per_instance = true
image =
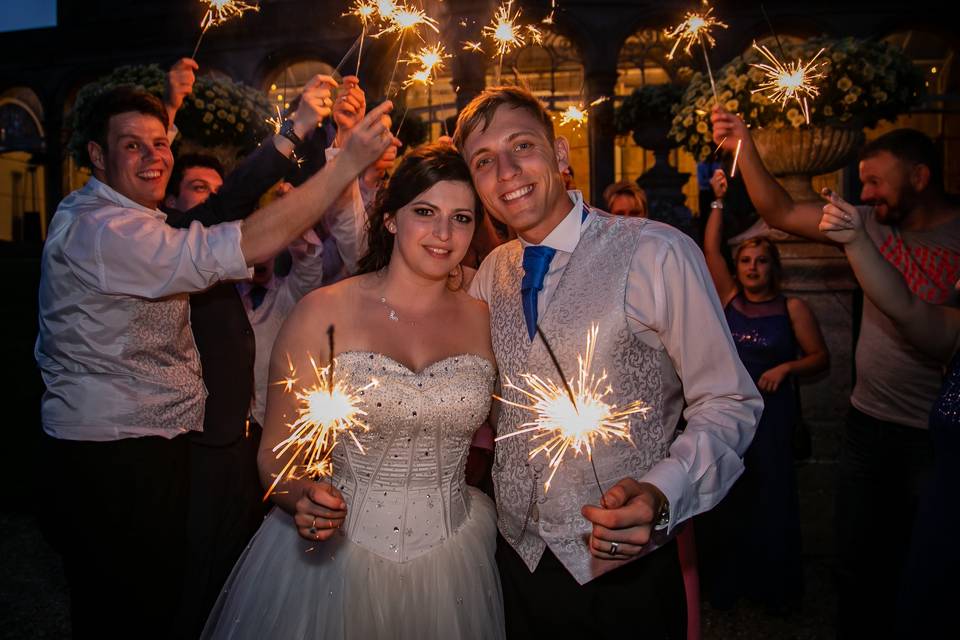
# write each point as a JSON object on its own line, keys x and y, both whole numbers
{"x": 536, "y": 263}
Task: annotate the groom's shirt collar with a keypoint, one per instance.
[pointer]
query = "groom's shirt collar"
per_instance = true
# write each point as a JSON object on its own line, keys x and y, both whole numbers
{"x": 566, "y": 235}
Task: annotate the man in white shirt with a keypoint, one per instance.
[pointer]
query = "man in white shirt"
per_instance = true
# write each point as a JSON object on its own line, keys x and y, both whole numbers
{"x": 661, "y": 339}
{"x": 118, "y": 359}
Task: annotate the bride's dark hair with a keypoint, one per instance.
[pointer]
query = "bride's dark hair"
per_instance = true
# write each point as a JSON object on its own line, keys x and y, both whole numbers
{"x": 421, "y": 169}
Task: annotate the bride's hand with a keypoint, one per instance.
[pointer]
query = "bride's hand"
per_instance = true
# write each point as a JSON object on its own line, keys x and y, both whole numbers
{"x": 320, "y": 511}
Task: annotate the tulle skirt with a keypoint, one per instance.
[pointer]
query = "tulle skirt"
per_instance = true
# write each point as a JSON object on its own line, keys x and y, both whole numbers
{"x": 339, "y": 590}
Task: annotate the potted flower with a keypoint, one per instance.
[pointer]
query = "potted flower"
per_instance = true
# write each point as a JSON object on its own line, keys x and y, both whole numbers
{"x": 221, "y": 116}
{"x": 864, "y": 82}
{"x": 646, "y": 114}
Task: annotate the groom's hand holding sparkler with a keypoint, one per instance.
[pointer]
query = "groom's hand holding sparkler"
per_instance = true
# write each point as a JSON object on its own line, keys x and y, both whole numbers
{"x": 179, "y": 84}
{"x": 320, "y": 511}
{"x": 624, "y": 525}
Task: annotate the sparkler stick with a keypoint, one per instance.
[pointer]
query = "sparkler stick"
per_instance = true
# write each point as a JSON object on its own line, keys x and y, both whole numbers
{"x": 218, "y": 12}
{"x": 574, "y": 416}
{"x": 364, "y": 11}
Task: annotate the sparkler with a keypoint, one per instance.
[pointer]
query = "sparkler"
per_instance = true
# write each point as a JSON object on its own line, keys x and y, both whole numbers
{"x": 363, "y": 10}
{"x": 790, "y": 81}
{"x": 327, "y": 409}
{"x": 402, "y": 19}
{"x": 694, "y": 29}
{"x": 572, "y": 417}
{"x": 573, "y": 114}
{"x": 577, "y": 115}
{"x": 218, "y": 12}
{"x": 431, "y": 60}
{"x": 472, "y": 46}
{"x": 504, "y": 33}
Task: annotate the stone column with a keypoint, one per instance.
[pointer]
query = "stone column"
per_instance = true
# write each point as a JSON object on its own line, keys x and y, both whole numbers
{"x": 599, "y": 82}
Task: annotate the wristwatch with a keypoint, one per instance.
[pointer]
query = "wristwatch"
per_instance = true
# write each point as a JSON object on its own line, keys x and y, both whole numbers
{"x": 717, "y": 204}
{"x": 662, "y": 520}
{"x": 286, "y": 130}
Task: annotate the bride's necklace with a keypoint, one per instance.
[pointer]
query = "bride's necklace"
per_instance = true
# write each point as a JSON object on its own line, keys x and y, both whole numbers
{"x": 392, "y": 313}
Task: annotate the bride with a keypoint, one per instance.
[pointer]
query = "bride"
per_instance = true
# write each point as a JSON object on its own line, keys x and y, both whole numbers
{"x": 397, "y": 545}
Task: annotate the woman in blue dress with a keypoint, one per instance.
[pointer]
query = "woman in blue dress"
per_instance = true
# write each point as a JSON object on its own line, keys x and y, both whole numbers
{"x": 930, "y": 588}
{"x": 778, "y": 338}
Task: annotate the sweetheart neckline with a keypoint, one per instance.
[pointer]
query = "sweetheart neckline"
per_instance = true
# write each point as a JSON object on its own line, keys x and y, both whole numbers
{"x": 411, "y": 371}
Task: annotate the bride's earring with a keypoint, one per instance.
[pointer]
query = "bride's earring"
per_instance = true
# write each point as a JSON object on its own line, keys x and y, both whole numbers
{"x": 392, "y": 228}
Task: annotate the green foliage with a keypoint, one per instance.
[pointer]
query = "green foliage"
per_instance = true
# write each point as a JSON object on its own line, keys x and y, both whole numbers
{"x": 652, "y": 102}
{"x": 219, "y": 112}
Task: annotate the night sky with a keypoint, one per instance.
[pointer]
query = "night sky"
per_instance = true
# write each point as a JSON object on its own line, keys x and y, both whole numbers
{"x": 27, "y": 14}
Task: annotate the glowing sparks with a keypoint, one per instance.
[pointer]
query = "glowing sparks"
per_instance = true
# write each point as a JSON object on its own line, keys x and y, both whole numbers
{"x": 577, "y": 115}
{"x": 503, "y": 30}
{"x": 276, "y": 123}
{"x": 219, "y": 11}
{"x": 576, "y": 424}
{"x": 476, "y": 47}
{"x": 405, "y": 19}
{"x": 431, "y": 61}
{"x": 791, "y": 81}
{"x": 694, "y": 29}
{"x": 573, "y": 114}
{"x": 535, "y": 35}
{"x": 364, "y": 11}
{"x": 386, "y": 9}
{"x": 326, "y": 410}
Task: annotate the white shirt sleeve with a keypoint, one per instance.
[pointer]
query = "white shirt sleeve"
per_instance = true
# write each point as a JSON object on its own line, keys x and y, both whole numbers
{"x": 723, "y": 404}
{"x": 137, "y": 254}
{"x": 306, "y": 272}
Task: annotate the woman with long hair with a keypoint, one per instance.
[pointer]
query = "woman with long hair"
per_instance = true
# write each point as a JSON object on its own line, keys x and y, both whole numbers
{"x": 395, "y": 545}
{"x": 778, "y": 339}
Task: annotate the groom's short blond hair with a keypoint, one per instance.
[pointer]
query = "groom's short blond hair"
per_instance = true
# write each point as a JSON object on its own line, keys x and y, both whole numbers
{"x": 479, "y": 112}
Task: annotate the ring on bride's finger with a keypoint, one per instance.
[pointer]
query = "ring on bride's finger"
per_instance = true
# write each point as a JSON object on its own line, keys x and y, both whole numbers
{"x": 613, "y": 548}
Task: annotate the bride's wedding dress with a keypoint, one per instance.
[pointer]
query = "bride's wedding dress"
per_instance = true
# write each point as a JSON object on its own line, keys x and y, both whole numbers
{"x": 415, "y": 556}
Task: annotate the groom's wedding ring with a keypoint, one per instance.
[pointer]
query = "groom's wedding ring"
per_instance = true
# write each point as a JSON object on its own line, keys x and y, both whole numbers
{"x": 613, "y": 548}
{"x": 313, "y": 527}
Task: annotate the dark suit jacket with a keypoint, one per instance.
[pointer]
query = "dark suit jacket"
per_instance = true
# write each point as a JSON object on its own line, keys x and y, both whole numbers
{"x": 220, "y": 327}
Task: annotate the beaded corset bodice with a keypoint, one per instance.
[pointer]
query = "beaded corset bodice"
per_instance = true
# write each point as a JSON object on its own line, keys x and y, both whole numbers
{"x": 406, "y": 493}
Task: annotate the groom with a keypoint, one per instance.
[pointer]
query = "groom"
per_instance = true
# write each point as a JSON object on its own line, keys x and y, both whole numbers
{"x": 567, "y": 564}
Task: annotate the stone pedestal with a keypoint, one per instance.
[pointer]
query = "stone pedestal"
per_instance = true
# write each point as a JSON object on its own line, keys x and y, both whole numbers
{"x": 820, "y": 275}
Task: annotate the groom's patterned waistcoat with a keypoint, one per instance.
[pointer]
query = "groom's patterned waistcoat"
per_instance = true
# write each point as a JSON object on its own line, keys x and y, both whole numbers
{"x": 591, "y": 289}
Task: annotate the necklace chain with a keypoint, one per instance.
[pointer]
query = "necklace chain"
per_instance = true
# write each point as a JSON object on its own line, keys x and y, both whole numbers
{"x": 392, "y": 313}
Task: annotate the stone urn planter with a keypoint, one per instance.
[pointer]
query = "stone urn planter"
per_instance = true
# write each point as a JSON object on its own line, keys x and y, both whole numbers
{"x": 794, "y": 156}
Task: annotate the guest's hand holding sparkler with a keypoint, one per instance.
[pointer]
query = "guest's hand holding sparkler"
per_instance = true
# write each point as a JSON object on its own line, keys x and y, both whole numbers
{"x": 320, "y": 511}
{"x": 179, "y": 84}
{"x": 316, "y": 103}
{"x": 349, "y": 108}
{"x": 622, "y": 528}
{"x": 370, "y": 139}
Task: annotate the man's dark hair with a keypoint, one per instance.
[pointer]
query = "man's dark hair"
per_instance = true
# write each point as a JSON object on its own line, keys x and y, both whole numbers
{"x": 188, "y": 161}
{"x": 122, "y": 99}
{"x": 912, "y": 146}
{"x": 480, "y": 111}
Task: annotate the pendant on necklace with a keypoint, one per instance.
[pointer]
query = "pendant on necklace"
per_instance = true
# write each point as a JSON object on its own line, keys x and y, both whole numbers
{"x": 393, "y": 316}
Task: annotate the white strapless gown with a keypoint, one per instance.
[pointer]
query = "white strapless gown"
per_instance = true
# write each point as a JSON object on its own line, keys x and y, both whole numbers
{"x": 415, "y": 557}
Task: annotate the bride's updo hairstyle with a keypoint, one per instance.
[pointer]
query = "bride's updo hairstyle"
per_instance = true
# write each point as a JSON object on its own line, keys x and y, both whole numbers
{"x": 419, "y": 170}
